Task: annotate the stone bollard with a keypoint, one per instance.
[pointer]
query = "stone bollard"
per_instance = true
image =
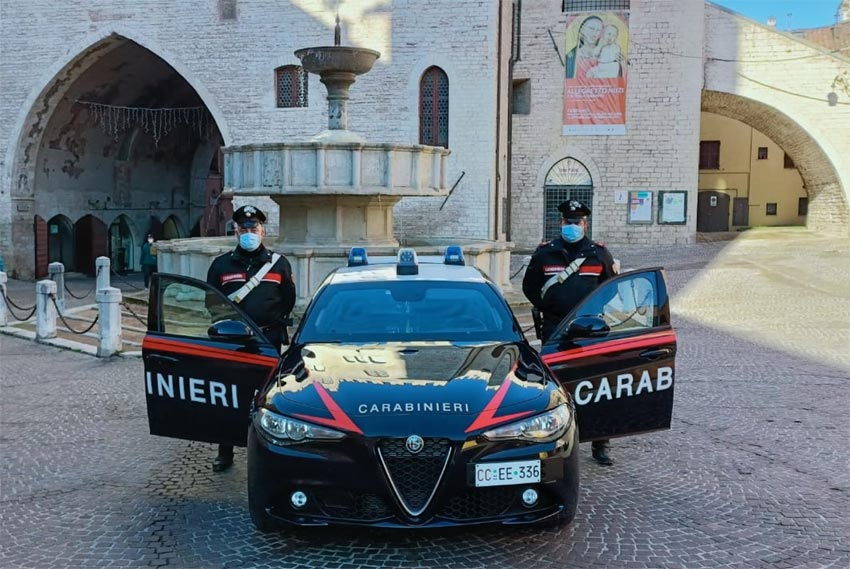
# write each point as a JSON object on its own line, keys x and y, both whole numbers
{"x": 3, "y": 281}
{"x": 109, "y": 321}
{"x": 45, "y": 310}
{"x": 57, "y": 275}
{"x": 103, "y": 265}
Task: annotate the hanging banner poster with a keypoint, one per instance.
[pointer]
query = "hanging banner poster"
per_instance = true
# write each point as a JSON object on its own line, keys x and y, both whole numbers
{"x": 596, "y": 73}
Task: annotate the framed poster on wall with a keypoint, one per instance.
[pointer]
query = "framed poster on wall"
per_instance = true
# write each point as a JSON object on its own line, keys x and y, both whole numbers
{"x": 640, "y": 207}
{"x": 673, "y": 207}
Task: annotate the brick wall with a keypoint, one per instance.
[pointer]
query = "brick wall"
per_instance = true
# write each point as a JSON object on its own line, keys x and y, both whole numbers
{"x": 231, "y": 63}
{"x": 660, "y": 149}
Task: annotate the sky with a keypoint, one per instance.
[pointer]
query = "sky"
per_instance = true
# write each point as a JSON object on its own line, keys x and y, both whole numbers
{"x": 803, "y": 13}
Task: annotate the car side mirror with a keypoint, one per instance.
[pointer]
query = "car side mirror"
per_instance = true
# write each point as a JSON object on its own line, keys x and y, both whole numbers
{"x": 587, "y": 327}
{"x": 230, "y": 330}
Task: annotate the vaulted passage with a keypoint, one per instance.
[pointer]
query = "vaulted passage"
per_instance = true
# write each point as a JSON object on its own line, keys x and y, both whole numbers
{"x": 129, "y": 148}
{"x": 827, "y": 206}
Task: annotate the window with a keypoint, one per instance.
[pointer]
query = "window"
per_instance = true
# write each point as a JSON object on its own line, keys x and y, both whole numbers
{"x": 521, "y": 97}
{"x": 770, "y": 209}
{"x": 434, "y": 108}
{"x": 627, "y": 306}
{"x": 291, "y": 82}
{"x": 227, "y": 9}
{"x": 594, "y": 5}
{"x": 789, "y": 164}
{"x": 709, "y": 155}
{"x": 803, "y": 206}
{"x": 762, "y": 154}
{"x": 568, "y": 179}
{"x": 403, "y": 311}
{"x": 190, "y": 310}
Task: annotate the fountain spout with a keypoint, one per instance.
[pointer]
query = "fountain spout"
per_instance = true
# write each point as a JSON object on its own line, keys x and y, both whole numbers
{"x": 337, "y": 66}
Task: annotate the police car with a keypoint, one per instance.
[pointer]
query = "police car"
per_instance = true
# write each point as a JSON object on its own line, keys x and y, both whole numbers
{"x": 409, "y": 395}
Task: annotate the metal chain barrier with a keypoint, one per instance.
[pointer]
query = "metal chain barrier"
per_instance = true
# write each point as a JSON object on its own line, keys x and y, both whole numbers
{"x": 91, "y": 290}
{"x": 513, "y": 276}
{"x": 136, "y": 316}
{"x": 65, "y": 322}
{"x": 126, "y": 281}
{"x": 10, "y": 304}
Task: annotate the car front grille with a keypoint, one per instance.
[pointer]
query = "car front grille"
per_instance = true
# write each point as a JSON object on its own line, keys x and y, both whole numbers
{"x": 414, "y": 477}
{"x": 477, "y": 503}
{"x": 353, "y": 506}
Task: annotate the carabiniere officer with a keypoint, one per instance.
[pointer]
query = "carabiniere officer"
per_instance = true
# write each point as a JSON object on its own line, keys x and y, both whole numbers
{"x": 562, "y": 272}
{"x": 267, "y": 300}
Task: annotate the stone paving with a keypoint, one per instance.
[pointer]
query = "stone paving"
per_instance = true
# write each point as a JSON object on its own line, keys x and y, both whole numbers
{"x": 754, "y": 472}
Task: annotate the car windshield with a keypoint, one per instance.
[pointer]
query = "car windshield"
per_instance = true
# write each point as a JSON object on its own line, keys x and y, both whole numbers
{"x": 404, "y": 311}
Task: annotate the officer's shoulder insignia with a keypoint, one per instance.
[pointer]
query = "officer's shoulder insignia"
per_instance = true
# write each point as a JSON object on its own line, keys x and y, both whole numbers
{"x": 544, "y": 243}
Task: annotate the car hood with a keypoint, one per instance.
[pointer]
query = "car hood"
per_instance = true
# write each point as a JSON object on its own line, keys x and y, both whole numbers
{"x": 397, "y": 389}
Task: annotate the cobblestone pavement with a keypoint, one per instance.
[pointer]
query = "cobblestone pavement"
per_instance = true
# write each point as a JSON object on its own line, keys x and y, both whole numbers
{"x": 754, "y": 472}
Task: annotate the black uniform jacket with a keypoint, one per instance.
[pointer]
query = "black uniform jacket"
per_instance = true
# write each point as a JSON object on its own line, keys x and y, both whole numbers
{"x": 271, "y": 301}
{"x": 553, "y": 257}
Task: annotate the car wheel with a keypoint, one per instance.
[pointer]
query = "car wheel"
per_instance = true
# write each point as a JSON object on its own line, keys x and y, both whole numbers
{"x": 258, "y": 499}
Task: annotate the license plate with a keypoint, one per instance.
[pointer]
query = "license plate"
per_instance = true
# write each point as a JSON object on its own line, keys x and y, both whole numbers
{"x": 507, "y": 473}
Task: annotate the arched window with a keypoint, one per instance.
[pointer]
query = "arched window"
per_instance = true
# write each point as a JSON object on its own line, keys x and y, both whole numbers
{"x": 568, "y": 179}
{"x": 434, "y": 108}
{"x": 291, "y": 85}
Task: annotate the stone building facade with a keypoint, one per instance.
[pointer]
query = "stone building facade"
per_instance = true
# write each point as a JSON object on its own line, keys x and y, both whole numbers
{"x": 111, "y": 182}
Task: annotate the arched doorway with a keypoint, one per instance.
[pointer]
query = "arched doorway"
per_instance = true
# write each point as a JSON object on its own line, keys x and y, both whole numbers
{"x": 89, "y": 243}
{"x": 171, "y": 228}
{"x": 60, "y": 241}
{"x": 122, "y": 245}
{"x": 826, "y": 206}
{"x": 568, "y": 179}
{"x": 115, "y": 130}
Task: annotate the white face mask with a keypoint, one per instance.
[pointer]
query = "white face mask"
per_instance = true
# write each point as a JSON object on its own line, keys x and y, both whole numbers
{"x": 249, "y": 241}
{"x": 150, "y": 239}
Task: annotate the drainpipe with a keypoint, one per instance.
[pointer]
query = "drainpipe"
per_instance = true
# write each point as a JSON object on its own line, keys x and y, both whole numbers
{"x": 497, "y": 178}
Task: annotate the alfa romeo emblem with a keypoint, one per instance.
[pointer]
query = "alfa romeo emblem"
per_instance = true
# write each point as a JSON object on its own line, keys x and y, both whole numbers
{"x": 414, "y": 444}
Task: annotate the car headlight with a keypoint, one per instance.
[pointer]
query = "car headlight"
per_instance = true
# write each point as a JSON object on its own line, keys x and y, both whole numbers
{"x": 285, "y": 429}
{"x": 543, "y": 428}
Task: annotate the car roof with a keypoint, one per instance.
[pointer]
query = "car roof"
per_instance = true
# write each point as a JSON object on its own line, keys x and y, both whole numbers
{"x": 382, "y": 271}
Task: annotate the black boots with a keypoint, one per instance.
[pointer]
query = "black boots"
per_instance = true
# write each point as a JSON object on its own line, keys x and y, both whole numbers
{"x": 600, "y": 453}
{"x": 224, "y": 460}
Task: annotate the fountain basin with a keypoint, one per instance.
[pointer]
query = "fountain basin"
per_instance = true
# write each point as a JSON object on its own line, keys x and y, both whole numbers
{"x": 311, "y": 264}
{"x": 324, "y": 59}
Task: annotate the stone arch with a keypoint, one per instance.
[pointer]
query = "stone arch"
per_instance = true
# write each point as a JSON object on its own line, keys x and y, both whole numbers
{"x": 828, "y": 208}
{"x": 25, "y": 137}
{"x": 60, "y": 241}
{"x": 567, "y": 179}
{"x": 123, "y": 237}
{"x": 173, "y": 228}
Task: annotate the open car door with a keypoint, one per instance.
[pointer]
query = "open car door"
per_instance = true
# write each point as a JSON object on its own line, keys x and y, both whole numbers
{"x": 204, "y": 359}
{"x": 615, "y": 354}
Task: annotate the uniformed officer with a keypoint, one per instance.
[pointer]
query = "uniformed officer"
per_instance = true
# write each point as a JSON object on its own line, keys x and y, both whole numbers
{"x": 562, "y": 272}
{"x": 267, "y": 300}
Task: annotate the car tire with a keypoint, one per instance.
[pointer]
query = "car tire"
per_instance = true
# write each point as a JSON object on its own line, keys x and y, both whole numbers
{"x": 258, "y": 500}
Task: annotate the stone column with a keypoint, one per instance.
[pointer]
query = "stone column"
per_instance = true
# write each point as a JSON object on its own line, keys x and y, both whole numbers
{"x": 104, "y": 266}
{"x": 109, "y": 321}
{"x": 45, "y": 310}
{"x": 56, "y": 272}
{"x": 3, "y": 280}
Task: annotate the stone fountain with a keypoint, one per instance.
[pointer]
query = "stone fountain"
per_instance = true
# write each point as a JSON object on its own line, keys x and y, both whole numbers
{"x": 334, "y": 191}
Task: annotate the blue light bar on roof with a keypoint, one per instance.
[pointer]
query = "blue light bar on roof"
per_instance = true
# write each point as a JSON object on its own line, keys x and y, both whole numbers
{"x": 408, "y": 263}
{"x": 357, "y": 257}
{"x": 454, "y": 255}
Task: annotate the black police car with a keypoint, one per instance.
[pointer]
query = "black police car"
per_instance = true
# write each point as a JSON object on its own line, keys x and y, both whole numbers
{"x": 409, "y": 395}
